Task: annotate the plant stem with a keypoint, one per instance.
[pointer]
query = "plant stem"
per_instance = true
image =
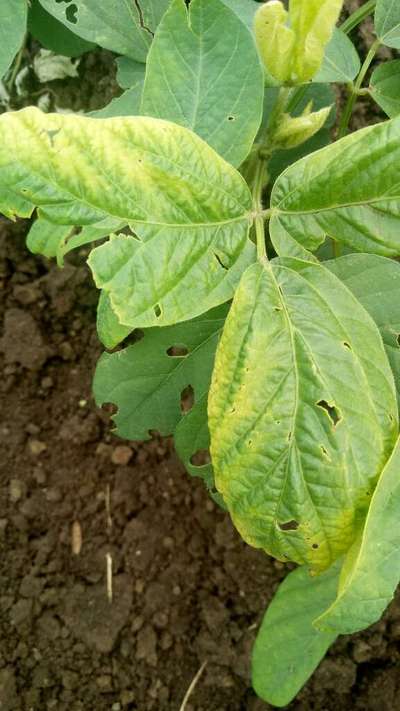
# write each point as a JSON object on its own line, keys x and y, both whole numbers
{"x": 261, "y": 177}
{"x": 17, "y": 65}
{"x": 358, "y": 16}
{"x": 346, "y": 116}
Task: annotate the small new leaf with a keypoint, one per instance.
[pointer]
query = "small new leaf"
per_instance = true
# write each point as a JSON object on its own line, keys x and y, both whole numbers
{"x": 293, "y": 131}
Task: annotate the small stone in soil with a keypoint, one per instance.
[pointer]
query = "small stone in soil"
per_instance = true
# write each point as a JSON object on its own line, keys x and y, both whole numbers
{"x": 121, "y": 455}
{"x": 36, "y": 447}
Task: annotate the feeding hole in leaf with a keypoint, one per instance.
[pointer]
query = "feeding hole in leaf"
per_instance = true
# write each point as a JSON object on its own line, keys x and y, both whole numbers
{"x": 289, "y": 437}
{"x": 277, "y": 308}
{"x": 220, "y": 262}
{"x": 70, "y": 11}
{"x": 315, "y": 546}
{"x": 331, "y": 411}
{"x": 231, "y": 118}
{"x": 324, "y": 451}
{"x": 347, "y": 345}
{"x": 398, "y": 339}
{"x": 200, "y": 458}
{"x": 177, "y": 351}
{"x": 157, "y": 310}
{"x": 289, "y": 525}
{"x": 187, "y": 399}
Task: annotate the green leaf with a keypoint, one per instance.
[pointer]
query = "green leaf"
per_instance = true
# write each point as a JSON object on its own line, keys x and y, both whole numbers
{"x": 192, "y": 437}
{"x": 302, "y": 415}
{"x": 313, "y": 23}
{"x": 288, "y": 648}
{"x": 387, "y": 22}
{"x": 349, "y": 191}
{"x": 341, "y": 61}
{"x": 375, "y": 282}
{"x": 128, "y": 104}
{"x": 140, "y": 170}
{"x": 53, "y": 35}
{"x": 109, "y": 329}
{"x": 44, "y": 237}
{"x": 171, "y": 275}
{"x": 370, "y": 576}
{"x": 13, "y": 17}
{"x": 244, "y": 9}
{"x": 120, "y": 25}
{"x": 145, "y": 381}
{"x": 203, "y": 72}
{"x": 385, "y": 87}
{"x": 129, "y": 72}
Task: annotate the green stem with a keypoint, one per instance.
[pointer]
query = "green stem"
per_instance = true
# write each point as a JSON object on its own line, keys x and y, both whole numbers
{"x": 346, "y": 116}
{"x": 261, "y": 178}
{"x": 358, "y": 16}
{"x": 17, "y": 65}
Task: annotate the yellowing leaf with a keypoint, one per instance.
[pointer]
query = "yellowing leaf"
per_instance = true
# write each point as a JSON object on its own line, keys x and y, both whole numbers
{"x": 312, "y": 22}
{"x": 302, "y": 415}
{"x": 274, "y": 39}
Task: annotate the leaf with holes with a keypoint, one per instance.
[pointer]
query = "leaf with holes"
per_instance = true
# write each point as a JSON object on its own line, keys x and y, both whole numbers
{"x": 375, "y": 282}
{"x": 53, "y": 35}
{"x": 288, "y": 648}
{"x": 124, "y": 26}
{"x": 371, "y": 572}
{"x": 13, "y": 18}
{"x": 349, "y": 191}
{"x": 203, "y": 72}
{"x": 385, "y": 87}
{"x": 387, "y": 22}
{"x": 146, "y": 380}
{"x": 302, "y": 416}
{"x": 170, "y": 275}
{"x": 143, "y": 171}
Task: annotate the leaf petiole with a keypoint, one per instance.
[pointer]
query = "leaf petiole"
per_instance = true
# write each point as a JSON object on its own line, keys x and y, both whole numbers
{"x": 348, "y": 110}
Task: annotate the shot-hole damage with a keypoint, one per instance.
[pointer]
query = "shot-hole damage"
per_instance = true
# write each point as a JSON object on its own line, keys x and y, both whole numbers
{"x": 157, "y": 310}
{"x": 177, "y": 351}
{"x": 315, "y": 546}
{"x": 70, "y": 11}
{"x": 200, "y": 458}
{"x": 347, "y": 345}
{"x": 331, "y": 411}
{"x": 231, "y": 118}
{"x": 289, "y": 525}
{"x": 398, "y": 339}
{"x": 187, "y": 399}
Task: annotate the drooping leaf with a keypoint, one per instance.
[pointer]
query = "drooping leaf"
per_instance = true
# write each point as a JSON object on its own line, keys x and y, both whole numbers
{"x": 146, "y": 380}
{"x": 45, "y": 237}
{"x": 341, "y": 61}
{"x": 13, "y": 17}
{"x": 302, "y": 415}
{"x": 385, "y": 87}
{"x": 109, "y": 329}
{"x": 171, "y": 275}
{"x": 349, "y": 190}
{"x": 120, "y": 25}
{"x": 128, "y": 104}
{"x": 387, "y": 22}
{"x": 53, "y": 35}
{"x": 375, "y": 282}
{"x": 203, "y": 72}
{"x": 288, "y": 648}
{"x": 370, "y": 576}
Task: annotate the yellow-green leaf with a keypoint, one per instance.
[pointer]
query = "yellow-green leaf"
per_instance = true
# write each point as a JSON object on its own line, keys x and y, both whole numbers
{"x": 302, "y": 415}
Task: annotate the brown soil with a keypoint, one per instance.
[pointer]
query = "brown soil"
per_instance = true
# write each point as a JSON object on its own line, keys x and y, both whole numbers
{"x": 185, "y": 589}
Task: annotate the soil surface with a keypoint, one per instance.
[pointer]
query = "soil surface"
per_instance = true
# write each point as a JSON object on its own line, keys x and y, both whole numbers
{"x": 185, "y": 589}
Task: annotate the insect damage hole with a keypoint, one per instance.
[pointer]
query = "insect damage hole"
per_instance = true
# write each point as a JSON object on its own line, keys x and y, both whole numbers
{"x": 398, "y": 339}
{"x": 177, "y": 351}
{"x": 200, "y": 458}
{"x": 289, "y": 525}
{"x": 331, "y": 410}
{"x": 157, "y": 310}
{"x": 220, "y": 262}
{"x": 347, "y": 345}
{"x": 187, "y": 399}
{"x": 70, "y": 11}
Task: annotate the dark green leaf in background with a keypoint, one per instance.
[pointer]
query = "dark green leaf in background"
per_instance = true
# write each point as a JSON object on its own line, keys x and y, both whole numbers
{"x": 387, "y": 22}
{"x": 288, "y": 648}
{"x": 53, "y": 35}
{"x": 385, "y": 87}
